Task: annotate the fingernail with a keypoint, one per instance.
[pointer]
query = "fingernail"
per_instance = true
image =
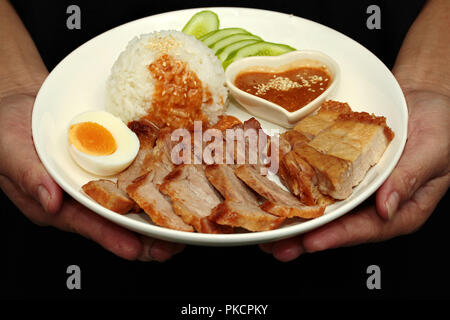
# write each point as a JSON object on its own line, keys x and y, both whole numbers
{"x": 392, "y": 204}
{"x": 146, "y": 256}
{"x": 44, "y": 197}
{"x": 147, "y": 244}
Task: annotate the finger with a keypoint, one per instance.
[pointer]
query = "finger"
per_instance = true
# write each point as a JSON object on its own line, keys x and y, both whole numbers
{"x": 415, "y": 168}
{"x": 266, "y": 247}
{"x": 162, "y": 250}
{"x": 122, "y": 242}
{"x": 287, "y": 249}
{"x": 74, "y": 217}
{"x": 35, "y": 181}
{"x": 27, "y": 205}
{"x": 364, "y": 225}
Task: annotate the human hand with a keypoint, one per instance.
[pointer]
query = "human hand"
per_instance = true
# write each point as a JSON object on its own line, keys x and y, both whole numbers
{"x": 406, "y": 199}
{"x": 25, "y": 181}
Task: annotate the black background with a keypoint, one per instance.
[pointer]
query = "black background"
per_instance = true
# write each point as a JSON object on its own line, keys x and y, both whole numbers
{"x": 35, "y": 258}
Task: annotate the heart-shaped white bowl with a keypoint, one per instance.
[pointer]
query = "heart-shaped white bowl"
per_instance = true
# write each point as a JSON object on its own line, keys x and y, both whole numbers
{"x": 270, "y": 111}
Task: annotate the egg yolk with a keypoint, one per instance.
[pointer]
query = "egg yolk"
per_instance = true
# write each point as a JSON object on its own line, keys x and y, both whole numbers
{"x": 92, "y": 138}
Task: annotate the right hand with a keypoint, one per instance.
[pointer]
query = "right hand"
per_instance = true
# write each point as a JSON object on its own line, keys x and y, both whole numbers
{"x": 25, "y": 181}
{"x": 419, "y": 181}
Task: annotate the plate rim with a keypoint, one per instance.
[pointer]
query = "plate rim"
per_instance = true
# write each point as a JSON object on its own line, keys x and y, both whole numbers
{"x": 217, "y": 239}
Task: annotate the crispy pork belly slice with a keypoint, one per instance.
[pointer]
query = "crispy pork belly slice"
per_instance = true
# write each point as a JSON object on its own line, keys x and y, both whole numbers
{"x": 292, "y": 210}
{"x": 287, "y": 205}
{"x": 193, "y": 197}
{"x": 155, "y": 205}
{"x": 284, "y": 146}
{"x": 222, "y": 177}
{"x": 329, "y": 111}
{"x": 247, "y": 216}
{"x": 358, "y": 138}
{"x": 147, "y": 133}
{"x": 296, "y": 174}
{"x": 294, "y": 138}
{"x": 289, "y": 140}
{"x": 334, "y": 175}
{"x": 106, "y": 193}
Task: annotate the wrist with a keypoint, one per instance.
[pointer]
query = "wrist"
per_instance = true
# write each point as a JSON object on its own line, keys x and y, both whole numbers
{"x": 413, "y": 79}
{"x": 22, "y": 84}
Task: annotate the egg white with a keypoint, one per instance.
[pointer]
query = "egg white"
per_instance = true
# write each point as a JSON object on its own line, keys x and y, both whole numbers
{"x": 126, "y": 141}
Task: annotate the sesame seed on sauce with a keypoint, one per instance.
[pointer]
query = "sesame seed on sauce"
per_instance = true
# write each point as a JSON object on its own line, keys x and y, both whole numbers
{"x": 291, "y": 89}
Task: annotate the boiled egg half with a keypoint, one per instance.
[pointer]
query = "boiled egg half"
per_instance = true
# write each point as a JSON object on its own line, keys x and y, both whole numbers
{"x": 101, "y": 143}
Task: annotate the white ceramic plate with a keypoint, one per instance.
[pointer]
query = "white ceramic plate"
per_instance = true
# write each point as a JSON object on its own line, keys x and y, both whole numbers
{"x": 77, "y": 84}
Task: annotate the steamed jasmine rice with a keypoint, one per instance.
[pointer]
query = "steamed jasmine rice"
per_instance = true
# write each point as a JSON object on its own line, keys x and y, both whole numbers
{"x": 168, "y": 77}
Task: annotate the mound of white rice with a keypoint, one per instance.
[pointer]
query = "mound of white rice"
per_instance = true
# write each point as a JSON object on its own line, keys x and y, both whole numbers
{"x": 130, "y": 86}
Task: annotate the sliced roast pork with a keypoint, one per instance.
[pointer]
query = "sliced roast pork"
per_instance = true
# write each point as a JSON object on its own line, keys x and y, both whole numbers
{"x": 247, "y": 216}
{"x": 222, "y": 177}
{"x": 147, "y": 133}
{"x": 193, "y": 197}
{"x": 241, "y": 205}
{"x": 155, "y": 204}
{"x": 279, "y": 201}
{"x": 106, "y": 193}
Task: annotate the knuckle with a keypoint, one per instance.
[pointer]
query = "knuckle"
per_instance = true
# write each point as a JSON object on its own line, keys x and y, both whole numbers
{"x": 407, "y": 181}
{"x": 373, "y": 226}
{"x": 25, "y": 179}
{"x": 376, "y": 232}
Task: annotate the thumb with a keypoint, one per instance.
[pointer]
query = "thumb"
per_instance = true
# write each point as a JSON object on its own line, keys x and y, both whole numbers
{"x": 418, "y": 164}
{"x": 20, "y": 162}
{"x": 34, "y": 180}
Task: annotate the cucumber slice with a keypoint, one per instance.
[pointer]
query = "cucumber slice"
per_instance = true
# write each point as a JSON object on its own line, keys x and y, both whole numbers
{"x": 207, "y": 35}
{"x": 258, "y": 49}
{"x": 223, "y": 53}
{"x": 222, "y": 43}
{"x": 201, "y": 23}
{"x": 217, "y": 35}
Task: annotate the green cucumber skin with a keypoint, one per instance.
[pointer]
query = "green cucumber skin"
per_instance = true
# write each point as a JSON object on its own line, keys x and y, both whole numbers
{"x": 202, "y": 38}
{"x": 208, "y": 18}
{"x": 219, "y": 34}
{"x": 233, "y": 47}
{"x": 257, "y": 49}
{"x": 222, "y": 43}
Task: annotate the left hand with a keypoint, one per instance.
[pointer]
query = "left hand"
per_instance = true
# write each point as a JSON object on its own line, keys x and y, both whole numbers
{"x": 25, "y": 181}
{"x": 406, "y": 199}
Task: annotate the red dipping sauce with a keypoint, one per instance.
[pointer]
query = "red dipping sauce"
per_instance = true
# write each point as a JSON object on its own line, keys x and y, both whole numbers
{"x": 291, "y": 89}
